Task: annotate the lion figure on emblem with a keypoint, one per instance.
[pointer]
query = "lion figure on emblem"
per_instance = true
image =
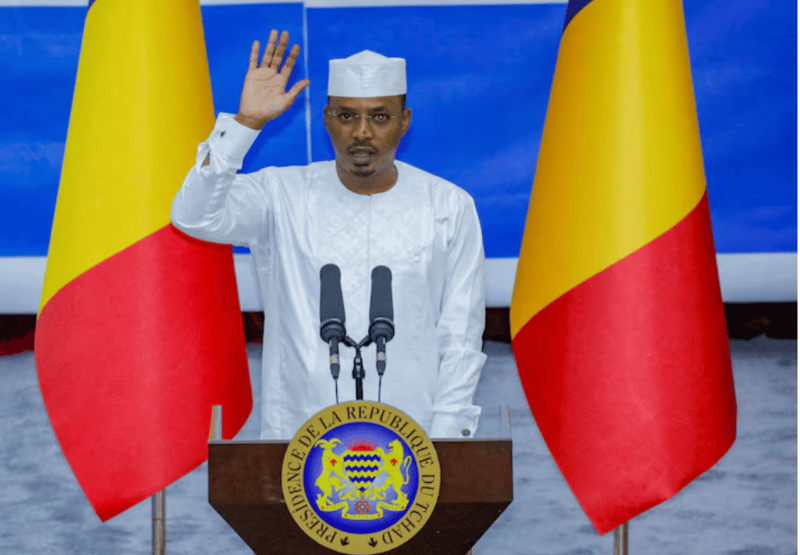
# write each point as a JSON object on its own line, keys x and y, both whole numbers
{"x": 393, "y": 464}
{"x": 332, "y": 478}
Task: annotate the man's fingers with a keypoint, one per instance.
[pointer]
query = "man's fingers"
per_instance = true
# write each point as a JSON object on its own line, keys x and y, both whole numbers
{"x": 277, "y": 58}
{"x": 270, "y": 51}
{"x": 286, "y": 70}
{"x": 254, "y": 55}
{"x": 297, "y": 89}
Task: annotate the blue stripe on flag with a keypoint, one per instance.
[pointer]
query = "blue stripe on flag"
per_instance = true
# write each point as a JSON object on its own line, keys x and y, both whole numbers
{"x": 573, "y": 8}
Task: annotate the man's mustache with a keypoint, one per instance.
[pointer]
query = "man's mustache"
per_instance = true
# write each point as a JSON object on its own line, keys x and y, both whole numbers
{"x": 362, "y": 148}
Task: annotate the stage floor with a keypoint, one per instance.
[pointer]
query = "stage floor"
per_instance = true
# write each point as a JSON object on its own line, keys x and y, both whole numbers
{"x": 745, "y": 505}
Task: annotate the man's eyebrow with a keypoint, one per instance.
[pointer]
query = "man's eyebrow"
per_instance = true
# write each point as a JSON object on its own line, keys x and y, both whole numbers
{"x": 370, "y": 110}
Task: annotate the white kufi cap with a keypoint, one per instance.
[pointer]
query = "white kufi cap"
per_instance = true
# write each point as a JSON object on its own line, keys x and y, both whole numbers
{"x": 366, "y": 75}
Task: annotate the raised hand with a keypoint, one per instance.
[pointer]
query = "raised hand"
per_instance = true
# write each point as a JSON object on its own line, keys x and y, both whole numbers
{"x": 264, "y": 95}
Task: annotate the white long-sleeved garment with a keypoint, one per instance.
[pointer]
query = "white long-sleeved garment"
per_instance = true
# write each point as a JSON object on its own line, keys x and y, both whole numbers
{"x": 297, "y": 219}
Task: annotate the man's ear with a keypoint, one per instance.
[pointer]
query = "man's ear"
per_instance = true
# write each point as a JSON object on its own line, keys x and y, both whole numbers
{"x": 406, "y": 120}
{"x": 325, "y": 121}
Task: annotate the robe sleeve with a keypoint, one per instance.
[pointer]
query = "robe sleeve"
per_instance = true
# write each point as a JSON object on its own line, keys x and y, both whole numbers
{"x": 459, "y": 330}
{"x": 215, "y": 203}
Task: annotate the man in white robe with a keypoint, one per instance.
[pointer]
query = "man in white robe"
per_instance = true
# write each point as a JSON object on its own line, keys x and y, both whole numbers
{"x": 362, "y": 210}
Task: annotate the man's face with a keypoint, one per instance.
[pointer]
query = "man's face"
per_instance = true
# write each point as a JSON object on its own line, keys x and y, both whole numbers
{"x": 365, "y": 147}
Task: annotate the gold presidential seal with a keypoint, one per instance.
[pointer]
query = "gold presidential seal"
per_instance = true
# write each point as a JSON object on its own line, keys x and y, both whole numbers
{"x": 360, "y": 477}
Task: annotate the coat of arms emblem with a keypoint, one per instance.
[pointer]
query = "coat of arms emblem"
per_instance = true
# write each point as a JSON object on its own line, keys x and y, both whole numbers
{"x": 365, "y": 479}
{"x": 361, "y": 477}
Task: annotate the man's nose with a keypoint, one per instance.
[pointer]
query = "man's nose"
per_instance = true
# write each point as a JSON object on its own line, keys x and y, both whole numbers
{"x": 363, "y": 129}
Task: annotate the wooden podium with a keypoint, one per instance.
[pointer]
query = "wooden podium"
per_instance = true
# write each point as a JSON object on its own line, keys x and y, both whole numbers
{"x": 244, "y": 487}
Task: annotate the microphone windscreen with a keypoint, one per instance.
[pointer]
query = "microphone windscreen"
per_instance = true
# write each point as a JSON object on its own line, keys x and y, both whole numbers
{"x": 380, "y": 303}
{"x": 331, "y": 303}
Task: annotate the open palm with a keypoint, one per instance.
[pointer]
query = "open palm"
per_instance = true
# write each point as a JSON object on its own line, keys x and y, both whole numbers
{"x": 264, "y": 95}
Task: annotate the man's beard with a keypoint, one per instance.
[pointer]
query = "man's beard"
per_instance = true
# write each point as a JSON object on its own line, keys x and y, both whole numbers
{"x": 363, "y": 173}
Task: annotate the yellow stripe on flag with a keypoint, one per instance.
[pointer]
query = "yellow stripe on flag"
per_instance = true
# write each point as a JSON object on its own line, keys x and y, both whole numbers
{"x": 127, "y": 150}
{"x": 611, "y": 139}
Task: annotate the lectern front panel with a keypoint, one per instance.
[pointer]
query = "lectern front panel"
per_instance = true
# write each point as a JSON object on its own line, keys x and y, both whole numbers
{"x": 244, "y": 487}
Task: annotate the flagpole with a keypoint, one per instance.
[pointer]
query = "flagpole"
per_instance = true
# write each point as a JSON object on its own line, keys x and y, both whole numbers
{"x": 159, "y": 514}
{"x": 159, "y": 524}
{"x": 621, "y": 539}
{"x": 216, "y": 423}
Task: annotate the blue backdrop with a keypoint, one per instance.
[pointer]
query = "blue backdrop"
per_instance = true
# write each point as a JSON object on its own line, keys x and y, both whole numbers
{"x": 479, "y": 79}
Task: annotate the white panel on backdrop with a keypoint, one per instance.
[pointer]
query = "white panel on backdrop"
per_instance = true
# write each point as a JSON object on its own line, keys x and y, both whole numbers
{"x": 758, "y": 277}
{"x": 21, "y": 282}
{"x": 247, "y": 283}
{"x": 744, "y": 278}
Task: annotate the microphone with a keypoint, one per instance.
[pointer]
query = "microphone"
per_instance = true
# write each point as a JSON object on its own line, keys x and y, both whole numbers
{"x": 381, "y": 313}
{"x": 331, "y": 312}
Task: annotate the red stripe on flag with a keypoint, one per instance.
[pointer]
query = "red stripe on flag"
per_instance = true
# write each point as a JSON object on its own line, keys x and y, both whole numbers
{"x": 132, "y": 355}
{"x": 629, "y": 377}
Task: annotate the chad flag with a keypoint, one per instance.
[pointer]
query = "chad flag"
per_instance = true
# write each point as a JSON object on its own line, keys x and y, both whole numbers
{"x": 139, "y": 331}
{"x": 617, "y": 319}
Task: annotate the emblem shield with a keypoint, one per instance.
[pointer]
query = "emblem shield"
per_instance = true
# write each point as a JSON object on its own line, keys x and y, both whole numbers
{"x": 361, "y": 466}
